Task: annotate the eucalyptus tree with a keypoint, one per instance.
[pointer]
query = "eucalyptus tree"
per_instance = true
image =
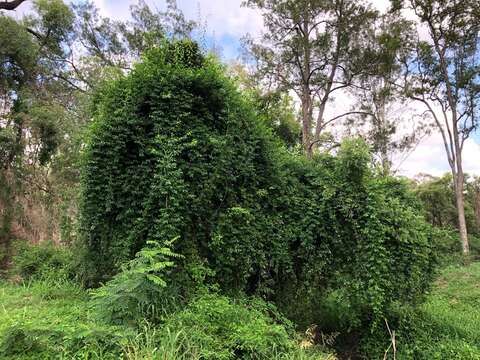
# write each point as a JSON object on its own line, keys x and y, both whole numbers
{"x": 383, "y": 120}
{"x": 52, "y": 60}
{"x": 117, "y": 44}
{"x": 315, "y": 49}
{"x": 34, "y": 102}
{"x": 444, "y": 75}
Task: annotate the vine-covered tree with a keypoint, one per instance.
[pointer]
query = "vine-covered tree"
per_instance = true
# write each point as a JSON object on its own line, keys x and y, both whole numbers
{"x": 176, "y": 151}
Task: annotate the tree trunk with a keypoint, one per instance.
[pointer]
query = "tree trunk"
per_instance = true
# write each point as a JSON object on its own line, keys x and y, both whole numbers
{"x": 460, "y": 200}
{"x": 306, "y": 95}
{"x": 306, "y": 124}
{"x": 462, "y": 224}
{"x": 382, "y": 129}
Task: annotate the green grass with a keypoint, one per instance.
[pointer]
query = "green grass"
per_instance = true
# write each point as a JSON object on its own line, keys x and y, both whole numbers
{"x": 48, "y": 320}
{"x": 448, "y": 323}
{"x": 44, "y": 320}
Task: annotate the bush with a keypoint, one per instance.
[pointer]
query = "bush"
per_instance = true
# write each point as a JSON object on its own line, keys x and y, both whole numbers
{"x": 445, "y": 326}
{"x": 176, "y": 151}
{"x": 448, "y": 248}
{"x": 216, "y": 327}
{"x": 33, "y": 343}
{"x": 42, "y": 261}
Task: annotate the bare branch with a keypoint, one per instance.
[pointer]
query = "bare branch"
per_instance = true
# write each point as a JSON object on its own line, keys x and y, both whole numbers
{"x": 10, "y": 5}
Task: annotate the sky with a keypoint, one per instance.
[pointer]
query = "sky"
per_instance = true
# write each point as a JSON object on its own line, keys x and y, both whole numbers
{"x": 227, "y": 22}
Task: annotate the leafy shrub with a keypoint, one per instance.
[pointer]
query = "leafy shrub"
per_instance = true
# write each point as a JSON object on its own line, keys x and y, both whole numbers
{"x": 445, "y": 326}
{"x": 19, "y": 341}
{"x": 437, "y": 195}
{"x": 216, "y": 327}
{"x": 42, "y": 261}
{"x": 137, "y": 292}
{"x": 175, "y": 150}
{"x": 448, "y": 246}
{"x": 65, "y": 328}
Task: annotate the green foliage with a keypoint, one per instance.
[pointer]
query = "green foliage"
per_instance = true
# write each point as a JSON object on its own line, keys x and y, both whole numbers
{"x": 35, "y": 325}
{"x": 438, "y": 198}
{"x": 446, "y": 326}
{"x": 221, "y": 328}
{"x": 47, "y": 319}
{"x": 137, "y": 292}
{"x": 18, "y": 53}
{"x": 174, "y": 151}
{"x": 55, "y": 19}
{"x": 43, "y": 261}
{"x": 276, "y": 110}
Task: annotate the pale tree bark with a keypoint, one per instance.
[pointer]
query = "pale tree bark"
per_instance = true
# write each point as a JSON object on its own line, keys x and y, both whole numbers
{"x": 457, "y": 164}
{"x": 306, "y": 95}
{"x": 445, "y": 79}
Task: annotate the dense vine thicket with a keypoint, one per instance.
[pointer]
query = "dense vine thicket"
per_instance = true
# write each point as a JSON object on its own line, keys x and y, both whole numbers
{"x": 175, "y": 151}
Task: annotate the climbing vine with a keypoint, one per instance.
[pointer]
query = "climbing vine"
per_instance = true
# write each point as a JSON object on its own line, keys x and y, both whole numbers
{"x": 176, "y": 151}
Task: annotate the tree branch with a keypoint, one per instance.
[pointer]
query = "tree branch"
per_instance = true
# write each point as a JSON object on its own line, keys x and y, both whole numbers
{"x": 10, "y": 5}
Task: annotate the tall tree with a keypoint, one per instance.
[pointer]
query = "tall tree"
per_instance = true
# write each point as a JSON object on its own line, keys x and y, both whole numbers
{"x": 313, "y": 48}
{"x": 117, "y": 44}
{"x": 34, "y": 107}
{"x": 383, "y": 121}
{"x": 444, "y": 75}
{"x": 50, "y": 61}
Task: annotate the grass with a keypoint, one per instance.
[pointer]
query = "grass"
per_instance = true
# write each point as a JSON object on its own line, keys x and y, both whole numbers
{"x": 447, "y": 325}
{"x": 48, "y": 320}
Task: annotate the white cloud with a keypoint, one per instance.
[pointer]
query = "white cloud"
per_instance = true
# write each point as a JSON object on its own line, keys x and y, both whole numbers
{"x": 116, "y": 10}
{"x": 430, "y": 157}
{"x": 471, "y": 157}
{"x": 224, "y": 17}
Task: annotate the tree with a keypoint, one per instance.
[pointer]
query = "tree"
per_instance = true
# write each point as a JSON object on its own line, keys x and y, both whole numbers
{"x": 313, "y": 48}
{"x": 274, "y": 108}
{"x": 52, "y": 62}
{"x": 117, "y": 44}
{"x": 443, "y": 75}
{"x": 34, "y": 117}
{"x": 185, "y": 155}
{"x": 382, "y": 119}
{"x": 437, "y": 195}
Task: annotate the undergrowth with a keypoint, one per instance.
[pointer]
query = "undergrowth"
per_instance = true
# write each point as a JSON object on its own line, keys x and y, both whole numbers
{"x": 44, "y": 320}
